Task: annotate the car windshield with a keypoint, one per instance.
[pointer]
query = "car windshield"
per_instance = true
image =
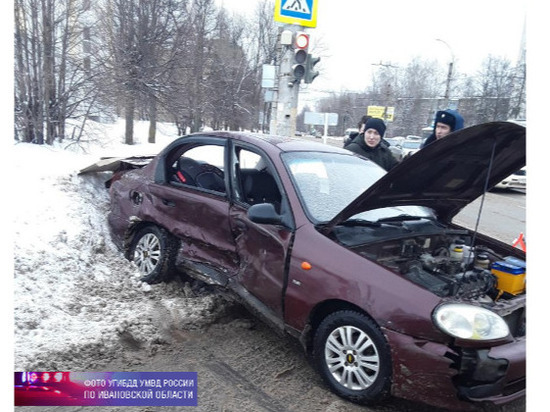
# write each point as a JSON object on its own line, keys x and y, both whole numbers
{"x": 328, "y": 182}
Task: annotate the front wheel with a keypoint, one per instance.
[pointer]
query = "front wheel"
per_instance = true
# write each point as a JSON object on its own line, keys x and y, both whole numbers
{"x": 153, "y": 250}
{"x": 353, "y": 357}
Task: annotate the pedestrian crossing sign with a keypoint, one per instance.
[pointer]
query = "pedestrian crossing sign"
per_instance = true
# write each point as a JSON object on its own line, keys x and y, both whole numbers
{"x": 301, "y": 12}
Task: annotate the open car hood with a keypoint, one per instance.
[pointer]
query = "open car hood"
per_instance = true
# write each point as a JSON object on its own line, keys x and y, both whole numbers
{"x": 448, "y": 174}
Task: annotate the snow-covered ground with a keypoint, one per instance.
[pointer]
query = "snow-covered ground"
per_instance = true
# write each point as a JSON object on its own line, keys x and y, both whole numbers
{"x": 76, "y": 300}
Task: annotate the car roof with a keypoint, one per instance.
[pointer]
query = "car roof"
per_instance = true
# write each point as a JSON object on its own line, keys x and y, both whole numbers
{"x": 283, "y": 143}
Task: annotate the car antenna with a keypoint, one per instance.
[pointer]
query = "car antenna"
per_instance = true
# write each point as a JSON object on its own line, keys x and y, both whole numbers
{"x": 485, "y": 190}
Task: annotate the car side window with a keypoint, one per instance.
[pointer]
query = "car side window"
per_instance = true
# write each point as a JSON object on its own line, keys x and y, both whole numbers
{"x": 202, "y": 167}
{"x": 254, "y": 181}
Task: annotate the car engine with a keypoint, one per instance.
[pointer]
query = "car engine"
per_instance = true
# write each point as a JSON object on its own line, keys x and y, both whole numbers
{"x": 445, "y": 264}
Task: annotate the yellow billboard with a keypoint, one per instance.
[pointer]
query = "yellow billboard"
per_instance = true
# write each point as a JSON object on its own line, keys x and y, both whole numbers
{"x": 381, "y": 112}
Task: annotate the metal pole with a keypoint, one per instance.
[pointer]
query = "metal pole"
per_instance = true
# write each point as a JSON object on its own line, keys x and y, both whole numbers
{"x": 450, "y": 73}
{"x": 283, "y": 121}
{"x": 325, "y": 131}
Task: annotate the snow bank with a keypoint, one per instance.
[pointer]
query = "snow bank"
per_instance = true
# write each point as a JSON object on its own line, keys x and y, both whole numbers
{"x": 77, "y": 301}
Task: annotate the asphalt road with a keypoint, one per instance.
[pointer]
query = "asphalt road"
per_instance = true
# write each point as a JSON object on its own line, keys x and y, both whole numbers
{"x": 502, "y": 215}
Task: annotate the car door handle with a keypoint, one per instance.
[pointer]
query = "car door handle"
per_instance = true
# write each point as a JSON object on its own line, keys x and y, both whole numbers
{"x": 168, "y": 202}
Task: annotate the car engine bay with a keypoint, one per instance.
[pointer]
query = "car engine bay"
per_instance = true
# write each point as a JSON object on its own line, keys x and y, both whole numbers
{"x": 444, "y": 261}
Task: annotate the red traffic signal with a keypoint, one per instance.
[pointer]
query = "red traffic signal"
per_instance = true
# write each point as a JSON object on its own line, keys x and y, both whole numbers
{"x": 301, "y": 41}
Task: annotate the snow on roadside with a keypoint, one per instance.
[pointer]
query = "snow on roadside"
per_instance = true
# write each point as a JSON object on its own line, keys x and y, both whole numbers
{"x": 77, "y": 301}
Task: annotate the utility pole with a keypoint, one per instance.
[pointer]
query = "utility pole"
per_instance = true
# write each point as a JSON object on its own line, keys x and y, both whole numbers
{"x": 295, "y": 65}
{"x": 294, "y": 62}
{"x": 284, "y": 111}
{"x": 450, "y": 72}
{"x": 387, "y": 115}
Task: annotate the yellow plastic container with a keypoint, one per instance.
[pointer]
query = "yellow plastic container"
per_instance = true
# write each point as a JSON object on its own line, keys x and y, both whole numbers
{"x": 511, "y": 278}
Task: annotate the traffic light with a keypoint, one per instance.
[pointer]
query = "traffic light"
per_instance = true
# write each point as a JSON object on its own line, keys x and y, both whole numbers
{"x": 310, "y": 73}
{"x": 301, "y": 43}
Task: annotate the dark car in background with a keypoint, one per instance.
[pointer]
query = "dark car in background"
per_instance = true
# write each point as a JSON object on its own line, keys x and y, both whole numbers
{"x": 349, "y": 135}
{"x": 382, "y": 289}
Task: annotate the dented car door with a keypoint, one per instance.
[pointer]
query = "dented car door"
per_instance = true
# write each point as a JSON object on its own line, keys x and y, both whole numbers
{"x": 262, "y": 248}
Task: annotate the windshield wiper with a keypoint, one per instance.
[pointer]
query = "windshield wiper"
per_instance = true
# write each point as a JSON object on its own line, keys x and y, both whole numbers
{"x": 400, "y": 218}
{"x": 360, "y": 222}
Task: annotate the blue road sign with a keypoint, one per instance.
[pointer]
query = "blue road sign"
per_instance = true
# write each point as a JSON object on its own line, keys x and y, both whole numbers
{"x": 302, "y": 12}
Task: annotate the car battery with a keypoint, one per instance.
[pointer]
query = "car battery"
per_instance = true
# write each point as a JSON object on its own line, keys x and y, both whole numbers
{"x": 510, "y": 277}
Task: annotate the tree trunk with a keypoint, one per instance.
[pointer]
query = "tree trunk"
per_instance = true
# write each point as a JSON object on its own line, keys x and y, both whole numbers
{"x": 48, "y": 82}
{"x": 129, "y": 116}
{"x": 152, "y": 120}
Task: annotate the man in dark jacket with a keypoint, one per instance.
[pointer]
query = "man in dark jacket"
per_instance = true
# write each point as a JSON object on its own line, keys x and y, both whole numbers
{"x": 446, "y": 121}
{"x": 368, "y": 144}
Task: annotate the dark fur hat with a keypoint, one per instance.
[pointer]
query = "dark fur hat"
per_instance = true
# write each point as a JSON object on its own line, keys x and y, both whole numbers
{"x": 451, "y": 118}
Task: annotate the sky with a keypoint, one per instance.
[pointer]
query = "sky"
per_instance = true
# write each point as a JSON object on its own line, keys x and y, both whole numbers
{"x": 353, "y": 36}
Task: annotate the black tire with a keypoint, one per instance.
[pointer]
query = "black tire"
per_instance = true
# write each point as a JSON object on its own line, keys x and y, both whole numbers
{"x": 353, "y": 357}
{"x": 154, "y": 251}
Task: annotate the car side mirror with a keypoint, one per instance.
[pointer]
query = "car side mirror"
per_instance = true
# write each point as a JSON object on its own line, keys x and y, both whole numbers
{"x": 264, "y": 213}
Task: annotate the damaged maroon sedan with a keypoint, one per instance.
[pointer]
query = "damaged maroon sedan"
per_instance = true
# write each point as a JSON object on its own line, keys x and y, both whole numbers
{"x": 364, "y": 267}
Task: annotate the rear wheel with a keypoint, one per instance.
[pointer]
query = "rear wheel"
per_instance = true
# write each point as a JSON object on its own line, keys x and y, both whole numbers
{"x": 154, "y": 250}
{"x": 353, "y": 357}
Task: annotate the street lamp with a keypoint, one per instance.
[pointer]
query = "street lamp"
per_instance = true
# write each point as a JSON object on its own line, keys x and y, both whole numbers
{"x": 450, "y": 73}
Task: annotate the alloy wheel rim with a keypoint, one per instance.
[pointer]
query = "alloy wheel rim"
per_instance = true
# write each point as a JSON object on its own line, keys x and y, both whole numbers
{"x": 147, "y": 253}
{"x": 352, "y": 358}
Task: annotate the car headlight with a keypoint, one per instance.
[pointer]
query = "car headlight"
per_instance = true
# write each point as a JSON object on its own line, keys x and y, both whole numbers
{"x": 470, "y": 322}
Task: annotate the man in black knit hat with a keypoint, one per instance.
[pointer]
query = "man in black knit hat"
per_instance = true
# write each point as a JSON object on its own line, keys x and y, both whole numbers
{"x": 368, "y": 144}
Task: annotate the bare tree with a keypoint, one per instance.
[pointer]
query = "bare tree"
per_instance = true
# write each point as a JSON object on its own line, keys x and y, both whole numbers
{"x": 50, "y": 80}
{"x": 141, "y": 37}
{"x": 216, "y": 79}
{"x": 517, "y": 109}
{"x": 419, "y": 91}
{"x": 416, "y": 92}
{"x": 233, "y": 76}
{"x": 495, "y": 86}
{"x": 240, "y": 49}
{"x": 189, "y": 62}
{"x": 28, "y": 72}
{"x": 263, "y": 51}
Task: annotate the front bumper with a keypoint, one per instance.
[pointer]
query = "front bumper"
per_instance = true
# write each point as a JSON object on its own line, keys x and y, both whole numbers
{"x": 456, "y": 378}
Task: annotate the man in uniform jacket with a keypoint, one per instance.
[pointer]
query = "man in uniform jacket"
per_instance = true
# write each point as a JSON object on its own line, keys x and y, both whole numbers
{"x": 446, "y": 121}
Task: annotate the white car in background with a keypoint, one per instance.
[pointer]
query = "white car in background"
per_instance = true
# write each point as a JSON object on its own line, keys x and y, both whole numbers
{"x": 411, "y": 145}
{"x": 517, "y": 180}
